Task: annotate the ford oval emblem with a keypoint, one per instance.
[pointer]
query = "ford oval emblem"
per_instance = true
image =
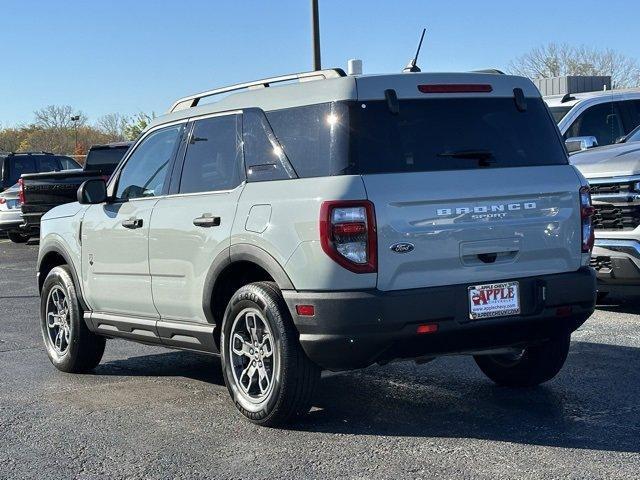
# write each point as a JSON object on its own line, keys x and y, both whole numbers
{"x": 402, "y": 247}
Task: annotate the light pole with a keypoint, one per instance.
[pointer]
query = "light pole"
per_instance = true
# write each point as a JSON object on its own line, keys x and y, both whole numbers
{"x": 75, "y": 119}
{"x": 315, "y": 35}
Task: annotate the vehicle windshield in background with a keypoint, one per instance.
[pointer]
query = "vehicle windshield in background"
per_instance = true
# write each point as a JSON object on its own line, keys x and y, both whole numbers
{"x": 634, "y": 136}
{"x": 559, "y": 112}
{"x": 105, "y": 159}
{"x": 452, "y": 134}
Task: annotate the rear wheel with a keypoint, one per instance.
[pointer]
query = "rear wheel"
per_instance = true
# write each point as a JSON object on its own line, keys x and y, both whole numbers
{"x": 268, "y": 375}
{"x": 18, "y": 237}
{"x": 532, "y": 366}
{"x": 70, "y": 345}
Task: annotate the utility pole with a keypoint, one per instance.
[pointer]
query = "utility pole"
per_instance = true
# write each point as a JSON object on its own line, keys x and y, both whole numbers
{"x": 315, "y": 35}
{"x": 75, "y": 119}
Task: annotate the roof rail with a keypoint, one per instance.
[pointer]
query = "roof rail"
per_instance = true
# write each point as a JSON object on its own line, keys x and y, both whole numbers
{"x": 193, "y": 100}
{"x": 32, "y": 152}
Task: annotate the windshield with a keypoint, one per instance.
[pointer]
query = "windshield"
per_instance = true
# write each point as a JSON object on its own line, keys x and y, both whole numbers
{"x": 634, "y": 136}
{"x": 559, "y": 112}
{"x": 452, "y": 134}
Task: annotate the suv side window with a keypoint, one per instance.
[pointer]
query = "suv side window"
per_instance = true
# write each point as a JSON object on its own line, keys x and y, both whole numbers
{"x": 48, "y": 164}
{"x": 603, "y": 121}
{"x": 264, "y": 158}
{"x": 213, "y": 158}
{"x": 19, "y": 165}
{"x": 146, "y": 171}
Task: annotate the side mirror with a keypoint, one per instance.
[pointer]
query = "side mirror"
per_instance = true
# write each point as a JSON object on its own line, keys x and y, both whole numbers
{"x": 621, "y": 139}
{"x": 92, "y": 192}
{"x": 576, "y": 144}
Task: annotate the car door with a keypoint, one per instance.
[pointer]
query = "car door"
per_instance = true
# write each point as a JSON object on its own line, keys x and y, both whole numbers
{"x": 191, "y": 227}
{"x": 115, "y": 235}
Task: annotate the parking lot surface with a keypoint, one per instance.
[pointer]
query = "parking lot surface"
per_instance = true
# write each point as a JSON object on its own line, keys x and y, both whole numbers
{"x": 156, "y": 413}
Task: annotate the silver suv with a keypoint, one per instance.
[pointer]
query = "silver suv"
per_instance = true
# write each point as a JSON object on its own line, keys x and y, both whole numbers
{"x": 332, "y": 222}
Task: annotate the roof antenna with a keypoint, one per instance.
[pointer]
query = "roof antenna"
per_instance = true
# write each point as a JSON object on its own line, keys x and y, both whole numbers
{"x": 411, "y": 66}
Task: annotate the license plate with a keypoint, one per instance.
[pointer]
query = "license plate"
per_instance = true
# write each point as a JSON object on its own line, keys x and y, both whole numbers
{"x": 11, "y": 204}
{"x": 494, "y": 300}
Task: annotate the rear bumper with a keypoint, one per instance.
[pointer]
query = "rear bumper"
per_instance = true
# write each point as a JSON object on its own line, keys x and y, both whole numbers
{"x": 10, "y": 220}
{"x": 356, "y": 329}
{"x": 617, "y": 263}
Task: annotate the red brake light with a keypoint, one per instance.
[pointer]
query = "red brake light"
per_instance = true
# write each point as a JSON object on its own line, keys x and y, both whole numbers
{"x": 586, "y": 214}
{"x": 348, "y": 234}
{"x": 21, "y": 191}
{"x": 456, "y": 88}
{"x": 3, "y": 200}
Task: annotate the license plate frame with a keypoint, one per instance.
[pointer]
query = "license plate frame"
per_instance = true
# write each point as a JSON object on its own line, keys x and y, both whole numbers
{"x": 493, "y": 300}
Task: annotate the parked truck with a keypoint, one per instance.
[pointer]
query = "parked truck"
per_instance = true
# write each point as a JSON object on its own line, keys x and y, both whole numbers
{"x": 40, "y": 192}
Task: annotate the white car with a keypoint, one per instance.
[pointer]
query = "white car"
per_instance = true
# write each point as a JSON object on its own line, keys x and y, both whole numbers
{"x": 11, "y": 215}
{"x": 595, "y": 118}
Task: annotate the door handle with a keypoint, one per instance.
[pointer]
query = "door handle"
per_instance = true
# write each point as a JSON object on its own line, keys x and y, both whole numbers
{"x": 132, "y": 223}
{"x": 206, "y": 221}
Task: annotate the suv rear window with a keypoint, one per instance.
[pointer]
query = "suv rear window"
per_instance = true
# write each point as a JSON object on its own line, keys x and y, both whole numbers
{"x": 426, "y": 135}
{"x": 453, "y": 134}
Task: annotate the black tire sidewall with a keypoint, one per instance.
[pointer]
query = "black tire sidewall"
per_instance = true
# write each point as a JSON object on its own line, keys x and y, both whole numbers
{"x": 18, "y": 237}
{"x": 253, "y": 296}
{"x": 61, "y": 276}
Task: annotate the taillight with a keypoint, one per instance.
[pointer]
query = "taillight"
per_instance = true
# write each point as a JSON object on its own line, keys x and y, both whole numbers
{"x": 586, "y": 214}
{"x": 3, "y": 200}
{"x": 348, "y": 234}
{"x": 20, "y": 191}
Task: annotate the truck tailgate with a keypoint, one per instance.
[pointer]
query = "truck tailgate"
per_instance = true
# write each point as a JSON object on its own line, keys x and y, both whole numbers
{"x": 448, "y": 227}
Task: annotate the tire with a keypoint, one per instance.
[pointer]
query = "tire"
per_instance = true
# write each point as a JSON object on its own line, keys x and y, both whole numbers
{"x": 18, "y": 237}
{"x": 537, "y": 364}
{"x": 258, "y": 312}
{"x": 71, "y": 347}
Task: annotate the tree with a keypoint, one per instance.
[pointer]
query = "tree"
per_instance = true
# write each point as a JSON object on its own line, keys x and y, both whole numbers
{"x": 553, "y": 60}
{"x": 138, "y": 124}
{"x": 58, "y": 117}
{"x": 113, "y": 125}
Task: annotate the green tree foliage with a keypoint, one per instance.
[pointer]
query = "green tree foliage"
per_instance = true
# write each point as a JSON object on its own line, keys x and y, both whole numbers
{"x": 137, "y": 125}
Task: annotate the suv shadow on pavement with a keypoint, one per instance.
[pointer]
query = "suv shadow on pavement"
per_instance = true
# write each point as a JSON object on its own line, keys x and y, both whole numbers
{"x": 591, "y": 405}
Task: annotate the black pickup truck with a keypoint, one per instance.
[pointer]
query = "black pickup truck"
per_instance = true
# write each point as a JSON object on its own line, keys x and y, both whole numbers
{"x": 40, "y": 192}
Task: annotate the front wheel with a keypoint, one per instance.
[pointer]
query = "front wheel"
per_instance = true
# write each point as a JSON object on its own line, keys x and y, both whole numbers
{"x": 70, "y": 345}
{"x": 268, "y": 375}
{"x": 532, "y": 366}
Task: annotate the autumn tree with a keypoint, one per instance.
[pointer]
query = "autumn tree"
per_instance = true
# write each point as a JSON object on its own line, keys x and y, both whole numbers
{"x": 553, "y": 60}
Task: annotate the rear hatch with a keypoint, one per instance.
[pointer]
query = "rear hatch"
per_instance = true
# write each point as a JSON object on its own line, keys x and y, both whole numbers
{"x": 468, "y": 187}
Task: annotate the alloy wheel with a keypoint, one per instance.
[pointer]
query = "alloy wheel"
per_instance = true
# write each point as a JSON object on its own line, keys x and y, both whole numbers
{"x": 58, "y": 320}
{"x": 253, "y": 359}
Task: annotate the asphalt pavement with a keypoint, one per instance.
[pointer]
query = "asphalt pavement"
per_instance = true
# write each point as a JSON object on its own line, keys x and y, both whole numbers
{"x": 148, "y": 412}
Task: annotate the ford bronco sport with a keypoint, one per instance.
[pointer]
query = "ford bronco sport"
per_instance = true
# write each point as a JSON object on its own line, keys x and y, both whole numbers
{"x": 330, "y": 223}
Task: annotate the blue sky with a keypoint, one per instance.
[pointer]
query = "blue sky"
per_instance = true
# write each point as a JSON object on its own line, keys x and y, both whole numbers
{"x": 140, "y": 55}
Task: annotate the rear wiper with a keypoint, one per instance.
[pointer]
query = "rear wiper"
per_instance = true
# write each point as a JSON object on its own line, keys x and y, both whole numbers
{"x": 484, "y": 156}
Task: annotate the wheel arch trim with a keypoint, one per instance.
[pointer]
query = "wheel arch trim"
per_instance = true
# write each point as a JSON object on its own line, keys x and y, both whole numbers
{"x": 241, "y": 252}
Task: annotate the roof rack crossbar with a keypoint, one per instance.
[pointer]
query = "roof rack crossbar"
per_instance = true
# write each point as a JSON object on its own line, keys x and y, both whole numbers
{"x": 193, "y": 100}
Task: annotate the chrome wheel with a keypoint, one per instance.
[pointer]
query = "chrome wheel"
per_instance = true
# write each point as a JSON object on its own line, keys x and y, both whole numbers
{"x": 58, "y": 322}
{"x": 253, "y": 360}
